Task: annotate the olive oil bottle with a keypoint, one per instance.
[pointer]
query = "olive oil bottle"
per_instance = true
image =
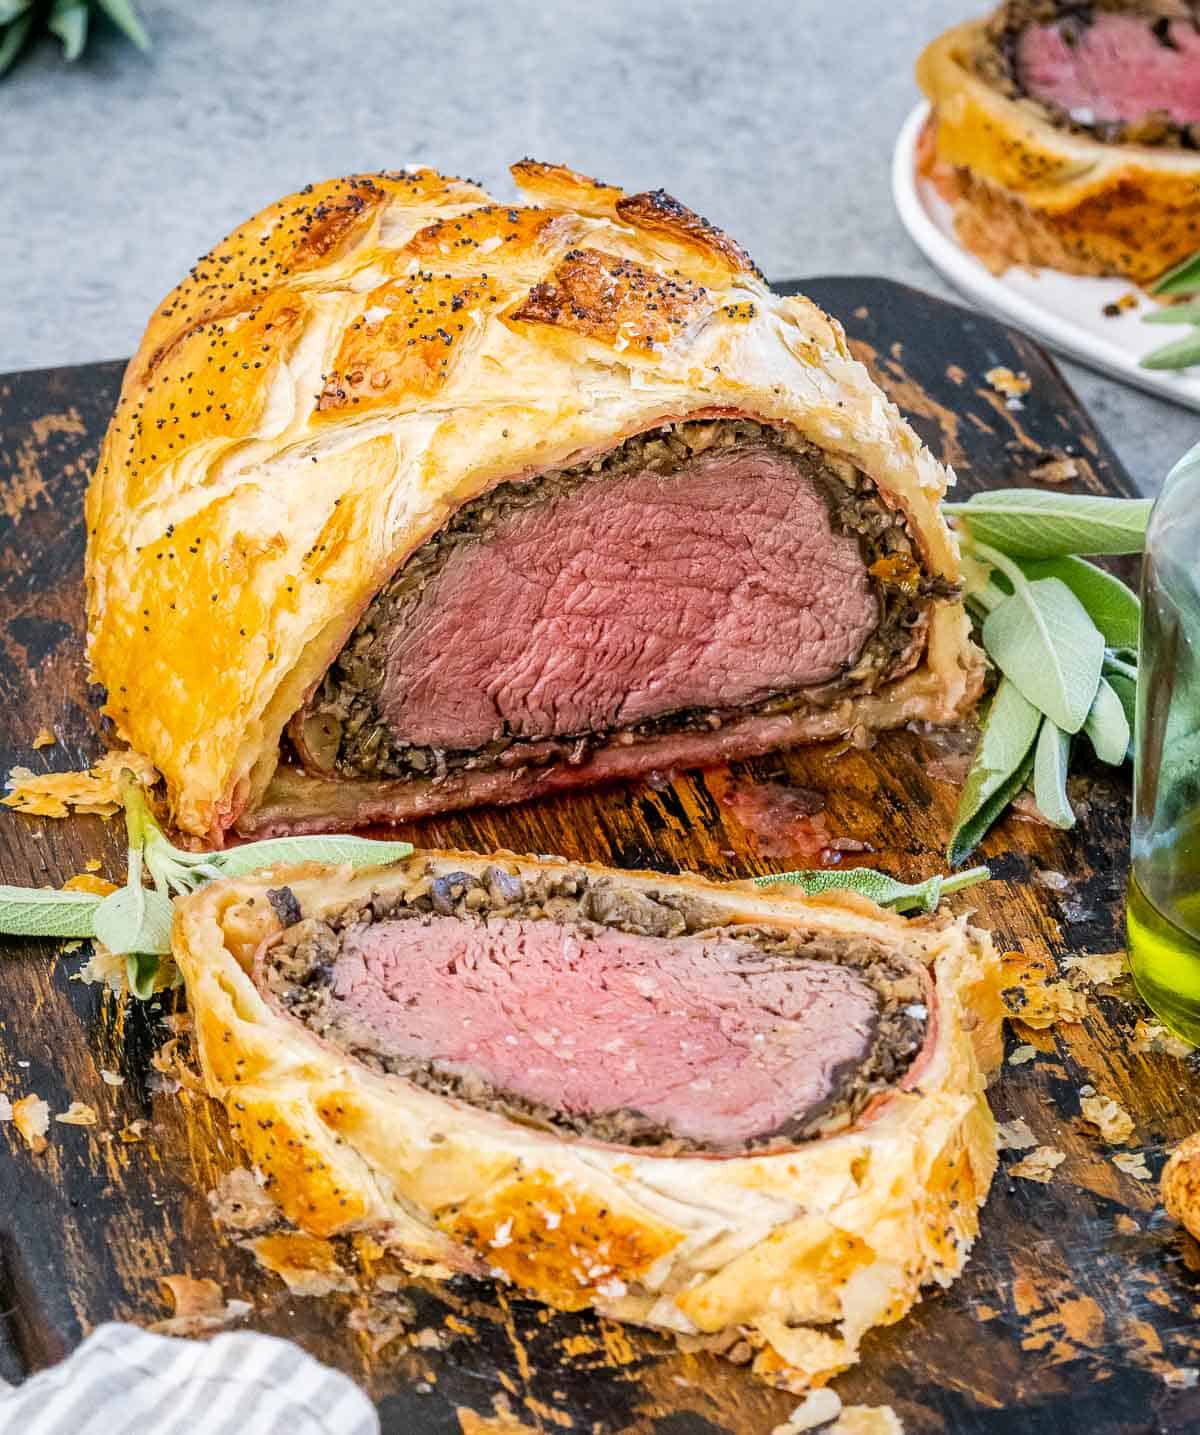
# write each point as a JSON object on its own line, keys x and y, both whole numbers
{"x": 1163, "y": 909}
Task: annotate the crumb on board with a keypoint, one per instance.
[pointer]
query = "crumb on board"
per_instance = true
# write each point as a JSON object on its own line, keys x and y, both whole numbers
{"x": 1182, "y": 1377}
{"x": 1012, "y": 386}
{"x": 1099, "y": 968}
{"x": 822, "y": 1409}
{"x": 1133, "y": 1163}
{"x": 45, "y": 738}
{"x": 1021, "y": 1054}
{"x": 239, "y": 1202}
{"x": 79, "y": 1113}
{"x": 307, "y": 1265}
{"x": 111, "y": 1078}
{"x": 96, "y": 792}
{"x": 1056, "y": 470}
{"x": 1113, "y": 1122}
{"x": 1041, "y": 1004}
{"x": 1015, "y": 1135}
{"x": 31, "y": 1117}
{"x": 199, "y": 1306}
{"x": 1180, "y": 1184}
{"x": 1039, "y": 1165}
{"x": 6, "y": 1111}
{"x": 135, "y": 1131}
{"x": 1153, "y": 1036}
{"x": 89, "y": 882}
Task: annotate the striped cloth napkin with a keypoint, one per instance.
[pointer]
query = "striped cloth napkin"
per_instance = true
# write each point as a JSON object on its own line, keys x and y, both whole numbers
{"x": 125, "y": 1381}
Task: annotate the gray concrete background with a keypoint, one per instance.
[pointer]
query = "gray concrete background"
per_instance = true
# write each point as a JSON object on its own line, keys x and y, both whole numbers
{"x": 774, "y": 117}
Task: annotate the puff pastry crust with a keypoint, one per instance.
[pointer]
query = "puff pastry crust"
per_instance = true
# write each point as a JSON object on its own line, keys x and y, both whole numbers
{"x": 1028, "y": 192}
{"x": 797, "y": 1252}
{"x": 352, "y": 365}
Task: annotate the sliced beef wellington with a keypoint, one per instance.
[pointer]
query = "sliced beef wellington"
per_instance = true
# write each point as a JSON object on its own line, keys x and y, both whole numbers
{"x": 745, "y": 1116}
{"x": 414, "y": 501}
{"x": 1068, "y": 135}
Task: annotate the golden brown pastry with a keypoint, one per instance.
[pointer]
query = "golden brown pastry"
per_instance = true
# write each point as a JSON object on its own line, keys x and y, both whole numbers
{"x": 463, "y": 502}
{"x": 754, "y": 1119}
{"x": 1066, "y": 135}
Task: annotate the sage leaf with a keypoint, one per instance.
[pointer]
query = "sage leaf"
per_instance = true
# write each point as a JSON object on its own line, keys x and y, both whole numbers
{"x": 1174, "y": 314}
{"x": 141, "y": 969}
{"x": 68, "y": 20}
{"x": 135, "y": 919}
{"x": 1126, "y": 691}
{"x": 46, "y": 912}
{"x": 1050, "y": 763}
{"x": 1111, "y": 604}
{"x": 878, "y": 886}
{"x": 10, "y": 9}
{"x": 271, "y": 852}
{"x": 1107, "y": 726}
{"x": 1033, "y": 523}
{"x": 125, "y": 18}
{"x": 13, "y": 39}
{"x": 1180, "y": 354}
{"x": 1043, "y": 640}
{"x": 1002, "y": 762}
{"x": 1181, "y": 278}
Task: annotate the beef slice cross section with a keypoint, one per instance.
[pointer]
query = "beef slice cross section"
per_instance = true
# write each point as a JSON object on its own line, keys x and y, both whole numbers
{"x": 1116, "y": 69}
{"x": 711, "y": 1038}
{"x": 627, "y": 598}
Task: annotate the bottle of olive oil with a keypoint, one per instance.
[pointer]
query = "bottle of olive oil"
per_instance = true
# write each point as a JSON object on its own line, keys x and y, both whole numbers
{"x": 1163, "y": 909}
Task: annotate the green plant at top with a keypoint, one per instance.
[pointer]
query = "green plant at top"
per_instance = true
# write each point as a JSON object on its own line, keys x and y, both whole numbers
{"x": 69, "y": 20}
{"x": 1062, "y": 634}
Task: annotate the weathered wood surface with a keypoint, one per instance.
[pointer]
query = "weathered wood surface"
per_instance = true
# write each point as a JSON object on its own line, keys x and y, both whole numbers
{"x": 1079, "y": 1306}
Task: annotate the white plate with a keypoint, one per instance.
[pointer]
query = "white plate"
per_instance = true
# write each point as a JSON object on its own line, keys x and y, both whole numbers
{"x": 1065, "y": 311}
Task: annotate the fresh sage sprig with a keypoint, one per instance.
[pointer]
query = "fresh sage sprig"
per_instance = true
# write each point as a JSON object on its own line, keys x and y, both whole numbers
{"x": 1179, "y": 282}
{"x": 135, "y": 921}
{"x": 67, "y": 20}
{"x": 1063, "y": 634}
{"x": 901, "y": 896}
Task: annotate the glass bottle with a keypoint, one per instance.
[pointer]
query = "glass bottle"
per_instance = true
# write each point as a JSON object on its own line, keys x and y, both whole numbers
{"x": 1163, "y": 909}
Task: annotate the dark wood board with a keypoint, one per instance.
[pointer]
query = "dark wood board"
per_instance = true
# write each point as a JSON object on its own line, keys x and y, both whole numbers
{"x": 1080, "y": 1300}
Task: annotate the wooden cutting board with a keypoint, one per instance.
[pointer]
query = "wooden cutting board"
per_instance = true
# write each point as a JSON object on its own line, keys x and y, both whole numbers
{"x": 1078, "y": 1309}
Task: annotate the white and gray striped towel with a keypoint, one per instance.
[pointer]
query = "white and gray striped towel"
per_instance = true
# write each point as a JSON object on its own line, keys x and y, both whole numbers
{"x": 125, "y": 1381}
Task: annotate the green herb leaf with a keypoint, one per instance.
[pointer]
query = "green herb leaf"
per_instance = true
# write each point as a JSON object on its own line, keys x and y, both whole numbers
{"x": 1180, "y": 354}
{"x": 1174, "y": 314}
{"x": 1050, "y": 763}
{"x": 1034, "y": 523}
{"x": 141, "y": 969}
{"x": 1043, "y": 640}
{"x": 46, "y": 912}
{"x": 1107, "y": 725}
{"x": 135, "y": 919}
{"x": 1182, "y": 278}
{"x": 1003, "y": 760}
{"x": 68, "y": 20}
{"x": 125, "y": 18}
{"x": 878, "y": 886}
{"x": 13, "y": 39}
{"x": 1111, "y": 605}
{"x": 1126, "y": 691}
{"x": 10, "y": 9}
{"x": 272, "y": 852}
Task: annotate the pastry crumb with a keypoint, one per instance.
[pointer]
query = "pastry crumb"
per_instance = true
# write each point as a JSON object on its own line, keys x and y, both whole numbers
{"x": 95, "y": 792}
{"x": 1039, "y": 1165}
{"x": 1133, "y": 1163}
{"x": 1099, "y": 968}
{"x": 111, "y": 1078}
{"x": 1015, "y": 1135}
{"x": 1021, "y": 1054}
{"x": 79, "y": 1113}
{"x": 1110, "y": 1118}
{"x": 45, "y": 738}
{"x": 1153, "y": 1036}
{"x": 31, "y": 1116}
